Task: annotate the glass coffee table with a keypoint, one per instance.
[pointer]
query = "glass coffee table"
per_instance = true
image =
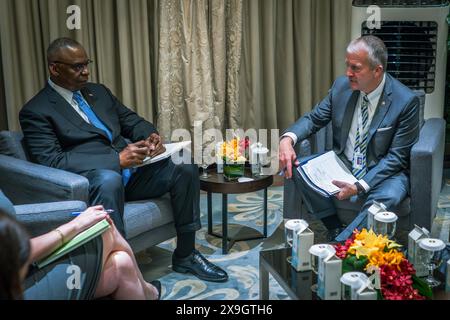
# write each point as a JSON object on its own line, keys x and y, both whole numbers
{"x": 298, "y": 284}
{"x": 216, "y": 183}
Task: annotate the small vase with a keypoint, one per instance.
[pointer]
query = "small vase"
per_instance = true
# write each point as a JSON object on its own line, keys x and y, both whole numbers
{"x": 232, "y": 171}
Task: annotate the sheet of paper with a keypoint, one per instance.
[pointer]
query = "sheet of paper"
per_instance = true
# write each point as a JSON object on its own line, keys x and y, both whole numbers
{"x": 325, "y": 168}
{"x": 171, "y": 148}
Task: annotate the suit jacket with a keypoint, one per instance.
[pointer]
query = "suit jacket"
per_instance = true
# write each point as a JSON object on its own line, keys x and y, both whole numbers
{"x": 393, "y": 131}
{"x": 57, "y": 136}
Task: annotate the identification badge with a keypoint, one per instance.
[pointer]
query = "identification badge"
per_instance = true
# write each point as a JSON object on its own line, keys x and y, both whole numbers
{"x": 358, "y": 160}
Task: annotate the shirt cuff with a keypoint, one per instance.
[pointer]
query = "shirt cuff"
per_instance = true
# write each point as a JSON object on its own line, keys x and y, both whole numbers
{"x": 364, "y": 185}
{"x": 290, "y": 135}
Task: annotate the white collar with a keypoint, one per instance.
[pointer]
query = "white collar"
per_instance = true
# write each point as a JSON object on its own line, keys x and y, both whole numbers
{"x": 375, "y": 95}
{"x": 66, "y": 94}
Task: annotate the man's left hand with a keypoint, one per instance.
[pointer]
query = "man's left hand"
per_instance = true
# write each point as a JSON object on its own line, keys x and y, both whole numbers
{"x": 347, "y": 189}
{"x": 155, "y": 145}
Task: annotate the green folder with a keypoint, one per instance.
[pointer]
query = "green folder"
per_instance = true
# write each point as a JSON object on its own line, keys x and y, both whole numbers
{"x": 77, "y": 241}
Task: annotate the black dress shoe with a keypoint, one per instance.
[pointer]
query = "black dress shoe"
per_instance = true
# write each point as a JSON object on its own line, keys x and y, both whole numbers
{"x": 198, "y": 265}
{"x": 157, "y": 285}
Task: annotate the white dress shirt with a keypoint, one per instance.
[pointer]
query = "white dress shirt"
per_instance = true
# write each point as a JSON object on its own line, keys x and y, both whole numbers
{"x": 68, "y": 96}
{"x": 374, "y": 98}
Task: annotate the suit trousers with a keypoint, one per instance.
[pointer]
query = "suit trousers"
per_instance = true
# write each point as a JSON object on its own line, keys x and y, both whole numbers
{"x": 150, "y": 181}
{"x": 391, "y": 192}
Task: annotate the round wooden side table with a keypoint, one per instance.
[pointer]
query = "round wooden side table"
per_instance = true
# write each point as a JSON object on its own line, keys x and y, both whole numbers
{"x": 216, "y": 183}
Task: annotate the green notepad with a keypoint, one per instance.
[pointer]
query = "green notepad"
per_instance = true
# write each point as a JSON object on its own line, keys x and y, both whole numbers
{"x": 77, "y": 241}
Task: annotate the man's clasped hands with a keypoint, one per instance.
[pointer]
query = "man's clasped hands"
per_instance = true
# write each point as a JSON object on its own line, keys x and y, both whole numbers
{"x": 135, "y": 153}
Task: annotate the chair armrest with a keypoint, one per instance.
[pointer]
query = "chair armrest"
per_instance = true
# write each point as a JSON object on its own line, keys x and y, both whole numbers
{"x": 427, "y": 158}
{"x": 26, "y": 182}
{"x": 6, "y": 206}
{"x": 292, "y": 201}
{"x": 319, "y": 142}
{"x": 303, "y": 148}
{"x": 41, "y": 218}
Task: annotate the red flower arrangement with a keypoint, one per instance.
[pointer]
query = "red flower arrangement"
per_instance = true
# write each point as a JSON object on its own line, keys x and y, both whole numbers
{"x": 366, "y": 251}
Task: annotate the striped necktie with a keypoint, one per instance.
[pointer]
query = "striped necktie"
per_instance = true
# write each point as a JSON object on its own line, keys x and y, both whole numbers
{"x": 361, "y": 139}
{"x": 96, "y": 122}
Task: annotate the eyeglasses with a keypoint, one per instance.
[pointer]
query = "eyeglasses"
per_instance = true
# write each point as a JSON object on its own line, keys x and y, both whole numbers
{"x": 77, "y": 67}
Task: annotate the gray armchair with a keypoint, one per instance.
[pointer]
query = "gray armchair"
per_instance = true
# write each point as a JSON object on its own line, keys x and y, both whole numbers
{"x": 40, "y": 218}
{"x": 426, "y": 170}
{"x": 146, "y": 222}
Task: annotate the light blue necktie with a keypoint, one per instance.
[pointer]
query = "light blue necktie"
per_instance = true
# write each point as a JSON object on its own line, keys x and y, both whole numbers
{"x": 96, "y": 122}
{"x": 361, "y": 139}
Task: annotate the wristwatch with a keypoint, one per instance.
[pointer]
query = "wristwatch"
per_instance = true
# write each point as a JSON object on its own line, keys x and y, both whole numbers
{"x": 360, "y": 188}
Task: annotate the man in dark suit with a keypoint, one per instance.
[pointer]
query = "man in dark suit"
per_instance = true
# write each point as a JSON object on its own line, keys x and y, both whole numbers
{"x": 375, "y": 122}
{"x": 81, "y": 127}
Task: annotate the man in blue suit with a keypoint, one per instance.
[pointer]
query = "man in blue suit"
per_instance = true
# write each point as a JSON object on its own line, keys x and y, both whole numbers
{"x": 81, "y": 127}
{"x": 375, "y": 122}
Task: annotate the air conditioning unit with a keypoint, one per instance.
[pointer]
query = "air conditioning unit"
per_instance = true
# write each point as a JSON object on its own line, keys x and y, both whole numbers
{"x": 415, "y": 34}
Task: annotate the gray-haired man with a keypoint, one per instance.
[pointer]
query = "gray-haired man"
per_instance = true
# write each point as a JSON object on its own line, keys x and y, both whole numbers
{"x": 375, "y": 122}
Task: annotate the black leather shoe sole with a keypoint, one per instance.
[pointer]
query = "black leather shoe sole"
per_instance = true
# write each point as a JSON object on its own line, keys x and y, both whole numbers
{"x": 183, "y": 269}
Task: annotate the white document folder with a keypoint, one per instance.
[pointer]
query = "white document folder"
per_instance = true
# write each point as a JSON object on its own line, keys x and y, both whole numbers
{"x": 171, "y": 148}
{"x": 318, "y": 173}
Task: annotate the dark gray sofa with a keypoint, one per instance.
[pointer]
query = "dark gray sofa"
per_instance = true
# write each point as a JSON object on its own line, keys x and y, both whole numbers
{"x": 427, "y": 157}
{"x": 147, "y": 223}
{"x": 39, "y": 218}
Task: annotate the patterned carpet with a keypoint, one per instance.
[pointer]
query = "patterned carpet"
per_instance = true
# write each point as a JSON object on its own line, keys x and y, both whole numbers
{"x": 242, "y": 261}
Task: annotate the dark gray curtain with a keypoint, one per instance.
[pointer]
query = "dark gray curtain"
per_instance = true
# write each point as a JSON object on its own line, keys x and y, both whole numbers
{"x": 292, "y": 50}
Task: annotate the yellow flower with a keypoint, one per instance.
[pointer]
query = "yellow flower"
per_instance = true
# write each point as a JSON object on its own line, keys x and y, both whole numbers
{"x": 234, "y": 143}
{"x": 379, "y": 258}
{"x": 230, "y": 151}
{"x": 359, "y": 249}
{"x": 367, "y": 243}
